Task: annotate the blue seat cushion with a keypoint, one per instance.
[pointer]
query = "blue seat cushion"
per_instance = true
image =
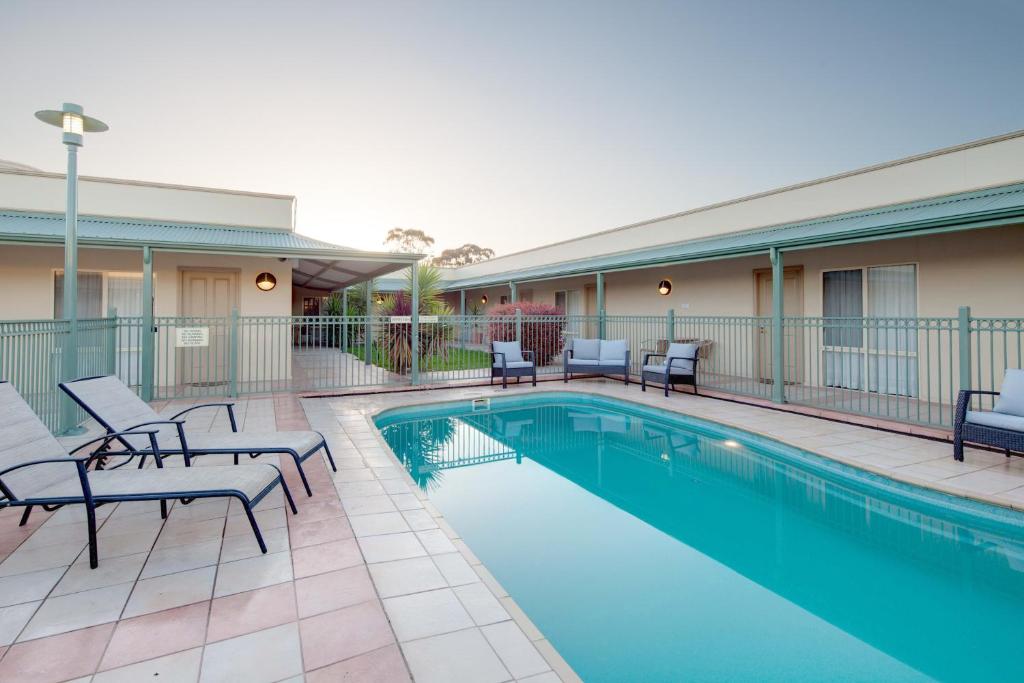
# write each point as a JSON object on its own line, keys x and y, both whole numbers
{"x": 583, "y": 361}
{"x": 616, "y": 363}
{"x": 613, "y": 350}
{"x": 586, "y": 349}
{"x": 684, "y": 350}
{"x": 514, "y": 364}
{"x": 998, "y": 420}
{"x": 1011, "y": 394}
{"x": 512, "y": 350}
{"x": 680, "y": 367}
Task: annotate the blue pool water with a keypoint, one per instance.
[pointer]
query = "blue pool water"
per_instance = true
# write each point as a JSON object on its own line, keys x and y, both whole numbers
{"x": 649, "y": 546}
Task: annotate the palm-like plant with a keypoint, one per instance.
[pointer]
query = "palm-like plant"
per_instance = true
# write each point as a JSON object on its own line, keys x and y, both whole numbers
{"x": 434, "y": 339}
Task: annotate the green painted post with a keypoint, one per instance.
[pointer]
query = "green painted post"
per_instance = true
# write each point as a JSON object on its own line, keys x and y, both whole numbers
{"x": 600, "y": 305}
{"x": 964, "y": 332}
{"x": 233, "y": 355}
{"x": 519, "y": 325}
{"x": 344, "y": 320}
{"x": 670, "y": 326}
{"x": 778, "y": 357}
{"x": 112, "y": 341}
{"x": 414, "y": 345}
{"x": 69, "y": 352}
{"x": 368, "y": 335}
{"x": 462, "y": 317}
{"x": 148, "y": 332}
{"x": 513, "y": 291}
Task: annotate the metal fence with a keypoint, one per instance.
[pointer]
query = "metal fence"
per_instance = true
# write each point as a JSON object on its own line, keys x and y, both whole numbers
{"x": 905, "y": 369}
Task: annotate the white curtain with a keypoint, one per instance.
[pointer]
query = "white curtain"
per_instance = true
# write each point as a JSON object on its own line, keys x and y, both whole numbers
{"x": 892, "y": 336}
{"x": 124, "y": 292}
{"x": 90, "y": 295}
{"x": 843, "y": 303}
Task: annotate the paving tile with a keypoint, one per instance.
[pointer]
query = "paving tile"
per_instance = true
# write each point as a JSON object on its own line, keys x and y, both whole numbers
{"x": 426, "y": 614}
{"x": 390, "y": 547}
{"x": 304, "y": 533}
{"x": 460, "y": 656}
{"x": 455, "y": 569}
{"x": 112, "y": 571}
{"x": 368, "y": 505}
{"x": 267, "y": 519}
{"x": 181, "y": 667}
{"x": 395, "y": 487}
{"x": 435, "y": 541}
{"x": 377, "y": 524}
{"x": 262, "y": 657}
{"x": 419, "y": 520}
{"x": 385, "y": 665}
{"x": 45, "y": 557}
{"x": 317, "y": 559}
{"x": 172, "y": 590}
{"x": 333, "y": 590}
{"x": 77, "y": 610}
{"x": 252, "y": 573}
{"x": 314, "y": 510}
{"x": 407, "y": 501}
{"x": 181, "y": 558}
{"x": 57, "y": 658}
{"x": 517, "y": 653}
{"x": 353, "y": 489}
{"x": 244, "y": 546}
{"x": 401, "y": 577}
{"x": 28, "y": 587}
{"x": 14, "y": 618}
{"x": 546, "y": 677}
{"x": 352, "y": 474}
{"x": 241, "y": 613}
{"x": 481, "y": 604}
{"x": 155, "y": 635}
{"x": 334, "y": 636}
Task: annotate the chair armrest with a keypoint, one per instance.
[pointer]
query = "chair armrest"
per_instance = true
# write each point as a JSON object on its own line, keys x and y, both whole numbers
{"x": 179, "y": 424}
{"x": 229, "y": 406}
{"x": 963, "y": 402}
{"x": 649, "y": 356}
{"x": 498, "y": 353}
{"x": 529, "y": 355}
{"x": 110, "y": 436}
{"x": 44, "y": 461}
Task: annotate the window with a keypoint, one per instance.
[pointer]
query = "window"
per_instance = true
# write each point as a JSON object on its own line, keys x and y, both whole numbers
{"x": 865, "y": 333}
{"x": 123, "y": 291}
{"x": 503, "y": 299}
{"x": 310, "y": 305}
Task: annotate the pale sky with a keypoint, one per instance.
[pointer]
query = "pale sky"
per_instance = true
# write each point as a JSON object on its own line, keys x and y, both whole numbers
{"x": 509, "y": 124}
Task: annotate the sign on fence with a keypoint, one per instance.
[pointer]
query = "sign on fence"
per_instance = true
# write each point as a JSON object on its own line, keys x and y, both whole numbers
{"x": 408, "y": 319}
{"x": 191, "y": 336}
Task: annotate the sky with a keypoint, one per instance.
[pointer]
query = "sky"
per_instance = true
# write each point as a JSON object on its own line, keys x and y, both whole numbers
{"x": 507, "y": 124}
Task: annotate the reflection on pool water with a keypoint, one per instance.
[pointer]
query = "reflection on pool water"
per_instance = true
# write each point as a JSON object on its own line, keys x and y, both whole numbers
{"x": 649, "y": 546}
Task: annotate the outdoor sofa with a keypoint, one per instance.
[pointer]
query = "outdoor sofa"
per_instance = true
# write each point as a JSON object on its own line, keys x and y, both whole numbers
{"x": 35, "y": 469}
{"x": 508, "y": 359}
{"x": 679, "y": 367}
{"x": 1002, "y": 427}
{"x": 596, "y": 357}
{"x": 118, "y": 409}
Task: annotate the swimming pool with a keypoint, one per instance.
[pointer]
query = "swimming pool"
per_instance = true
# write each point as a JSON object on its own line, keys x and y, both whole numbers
{"x": 650, "y": 546}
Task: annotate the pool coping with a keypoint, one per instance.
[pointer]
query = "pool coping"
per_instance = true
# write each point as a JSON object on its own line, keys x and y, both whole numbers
{"x": 674, "y": 404}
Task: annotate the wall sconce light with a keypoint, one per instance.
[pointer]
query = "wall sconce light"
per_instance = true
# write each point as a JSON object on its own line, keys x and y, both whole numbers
{"x": 665, "y": 287}
{"x": 380, "y": 299}
{"x": 266, "y": 282}
{"x": 483, "y": 299}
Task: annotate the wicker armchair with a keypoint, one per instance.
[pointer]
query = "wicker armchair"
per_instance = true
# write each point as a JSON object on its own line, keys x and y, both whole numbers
{"x": 1002, "y": 427}
{"x": 679, "y": 367}
{"x": 508, "y": 359}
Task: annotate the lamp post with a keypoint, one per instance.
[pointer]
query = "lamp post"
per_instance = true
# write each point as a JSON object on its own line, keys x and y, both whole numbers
{"x": 75, "y": 125}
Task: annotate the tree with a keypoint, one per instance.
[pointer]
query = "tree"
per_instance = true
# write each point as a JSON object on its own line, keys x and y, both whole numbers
{"x": 463, "y": 256}
{"x": 408, "y": 241}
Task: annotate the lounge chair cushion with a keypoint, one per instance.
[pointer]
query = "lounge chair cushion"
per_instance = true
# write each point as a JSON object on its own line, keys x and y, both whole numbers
{"x": 250, "y": 480}
{"x": 614, "y": 350}
{"x": 586, "y": 349}
{"x": 583, "y": 362}
{"x": 998, "y": 420}
{"x": 684, "y": 350}
{"x": 1011, "y": 396}
{"x": 24, "y": 438}
{"x": 512, "y": 350}
{"x": 616, "y": 363}
{"x": 514, "y": 364}
{"x": 680, "y": 367}
{"x": 230, "y": 442}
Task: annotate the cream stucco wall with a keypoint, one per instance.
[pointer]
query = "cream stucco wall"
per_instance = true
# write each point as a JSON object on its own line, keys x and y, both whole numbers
{"x": 45, "y": 192}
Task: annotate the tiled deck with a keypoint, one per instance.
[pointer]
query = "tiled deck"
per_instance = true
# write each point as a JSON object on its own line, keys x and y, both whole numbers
{"x": 367, "y": 582}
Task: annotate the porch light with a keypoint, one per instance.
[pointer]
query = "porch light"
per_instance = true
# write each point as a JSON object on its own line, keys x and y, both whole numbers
{"x": 665, "y": 287}
{"x": 483, "y": 299}
{"x": 731, "y": 444}
{"x": 266, "y": 281}
{"x": 73, "y": 121}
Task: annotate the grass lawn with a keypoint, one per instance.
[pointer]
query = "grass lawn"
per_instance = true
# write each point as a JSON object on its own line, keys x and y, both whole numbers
{"x": 457, "y": 359}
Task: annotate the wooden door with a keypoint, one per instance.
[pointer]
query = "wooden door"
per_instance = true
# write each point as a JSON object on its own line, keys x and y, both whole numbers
{"x": 207, "y": 296}
{"x": 792, "y": 305}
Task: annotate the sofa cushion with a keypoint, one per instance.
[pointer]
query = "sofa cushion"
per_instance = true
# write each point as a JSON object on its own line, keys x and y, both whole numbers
{"x": 514, "y": 364}
{"x": 677, "y": 350}
{"x": 680, "y": 367}
{"x": 586, "y": 349}
{"x": 512, "y": 350}
{"x": 997, "y": 420}
{"x": 616, "y": 363}
{"x": 583, "y": 362}
{"x": 1011, "y": 396}
{"x": 614, "y": 349}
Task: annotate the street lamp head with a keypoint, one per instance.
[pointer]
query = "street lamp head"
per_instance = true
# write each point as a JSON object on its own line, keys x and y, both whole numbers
{"x": 74, "y": 122}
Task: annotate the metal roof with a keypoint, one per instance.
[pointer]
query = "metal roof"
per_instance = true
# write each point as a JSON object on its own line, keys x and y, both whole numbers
{"x": 962, "y": 211}
{"x": 319, "y": 265}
